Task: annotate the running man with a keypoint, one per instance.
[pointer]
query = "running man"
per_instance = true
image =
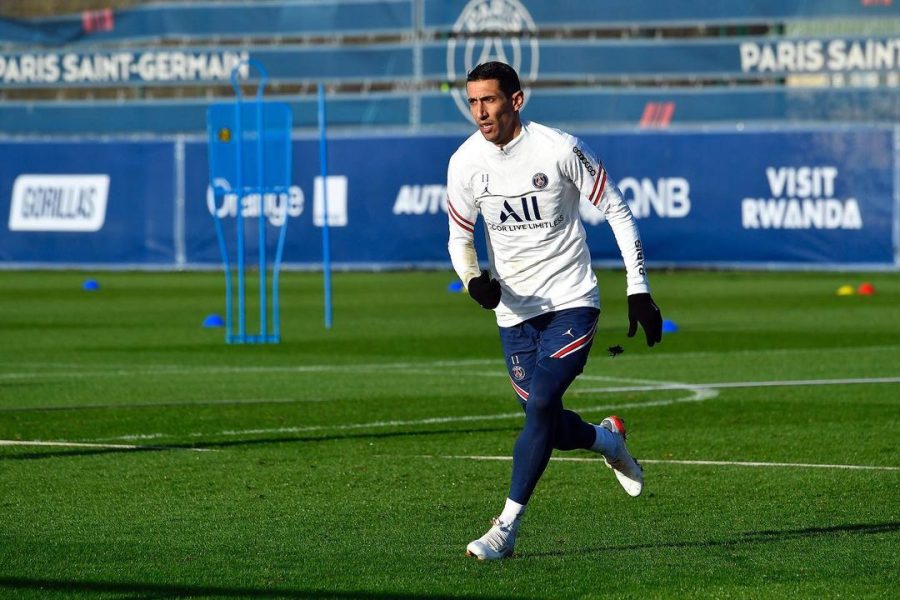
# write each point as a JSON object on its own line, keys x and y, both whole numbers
{"x": 526, "y": 180}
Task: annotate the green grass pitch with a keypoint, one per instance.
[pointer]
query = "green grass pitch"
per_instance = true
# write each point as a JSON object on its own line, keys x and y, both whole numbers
{"x": 359, "y": 462}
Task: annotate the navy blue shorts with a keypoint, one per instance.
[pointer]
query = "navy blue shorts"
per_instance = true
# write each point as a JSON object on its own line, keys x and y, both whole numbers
{"x": 564, "y": 336}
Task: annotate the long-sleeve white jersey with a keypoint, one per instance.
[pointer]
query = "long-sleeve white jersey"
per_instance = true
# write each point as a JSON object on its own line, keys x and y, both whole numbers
{"x": 528, "y": 195}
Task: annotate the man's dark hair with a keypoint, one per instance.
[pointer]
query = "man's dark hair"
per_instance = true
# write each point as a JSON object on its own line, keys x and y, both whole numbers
{"x": 502, "y": 72}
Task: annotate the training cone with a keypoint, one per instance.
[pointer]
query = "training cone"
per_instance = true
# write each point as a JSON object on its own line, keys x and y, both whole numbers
{"x": 845, "y": 290}
{"x": 213, "y": 321}
{"x": 669, "y": 326}
{"x": 455, "y": 287}
{"x": 90, "y": 285}
{"x": 865, "y": 289}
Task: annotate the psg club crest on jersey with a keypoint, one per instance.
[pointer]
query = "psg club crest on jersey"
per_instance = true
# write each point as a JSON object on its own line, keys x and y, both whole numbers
{"x": 518, "y": 373}
{"x": 539, "y": 180}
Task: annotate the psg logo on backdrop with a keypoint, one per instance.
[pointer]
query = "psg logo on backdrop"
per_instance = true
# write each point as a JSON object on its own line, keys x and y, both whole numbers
{"x": 489, "y": 30}
{"x": 539, "y": 181}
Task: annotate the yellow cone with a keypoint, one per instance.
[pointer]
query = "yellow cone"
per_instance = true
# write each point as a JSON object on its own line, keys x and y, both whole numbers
{"x": 845, "y": 290}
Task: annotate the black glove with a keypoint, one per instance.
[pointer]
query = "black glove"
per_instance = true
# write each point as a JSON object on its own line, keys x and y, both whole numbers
{"x": 485, "y": 291}
{"x": 642, "y": 309}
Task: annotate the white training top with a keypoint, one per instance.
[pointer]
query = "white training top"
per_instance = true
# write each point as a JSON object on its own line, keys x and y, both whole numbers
{"x": 528, "y": 195}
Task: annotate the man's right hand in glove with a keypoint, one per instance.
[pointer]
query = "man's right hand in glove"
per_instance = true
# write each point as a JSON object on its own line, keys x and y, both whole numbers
{"x": 485, "y": 290}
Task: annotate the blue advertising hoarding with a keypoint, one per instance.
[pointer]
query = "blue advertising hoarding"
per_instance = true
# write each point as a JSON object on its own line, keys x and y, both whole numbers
{"x": 774, "y": 197}
{"x": 87, "y": 203}
{"x": 814, "y": 197}
{"x": 370, "y": 174}
{"x": 810, "y": 198}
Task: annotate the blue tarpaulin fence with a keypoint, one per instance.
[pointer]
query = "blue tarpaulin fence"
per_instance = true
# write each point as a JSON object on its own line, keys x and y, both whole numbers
{"x": 406, "y": 70}
{"x": 199, "y": 20}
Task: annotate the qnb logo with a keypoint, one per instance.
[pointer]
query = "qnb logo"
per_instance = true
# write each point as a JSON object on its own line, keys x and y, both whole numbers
{"x": 529, "y": 211}
{"x": 667, "y": 197}
{"x": 59, "y": 203}
{"x": 489, "y": 30}
{"x": 223, "y": 203}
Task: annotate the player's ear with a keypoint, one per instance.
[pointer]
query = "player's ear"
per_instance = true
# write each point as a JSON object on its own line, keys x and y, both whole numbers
{"x": 518, "y": 100}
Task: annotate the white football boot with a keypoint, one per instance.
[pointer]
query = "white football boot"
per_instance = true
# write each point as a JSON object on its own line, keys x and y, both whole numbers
{"x": 497, "y": 543}
{"x": 628, "y": 471}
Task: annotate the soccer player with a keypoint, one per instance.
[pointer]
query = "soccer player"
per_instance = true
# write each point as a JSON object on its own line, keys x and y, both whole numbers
{"x": 526, "y": 180}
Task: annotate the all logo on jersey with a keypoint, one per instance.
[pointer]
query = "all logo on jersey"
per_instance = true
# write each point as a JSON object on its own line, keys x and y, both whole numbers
{"x": 528, "y": 212}
{"x": 539, "y": 181}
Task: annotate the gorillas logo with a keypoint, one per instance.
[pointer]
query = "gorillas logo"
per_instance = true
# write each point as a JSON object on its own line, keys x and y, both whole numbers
{"x": 587, "y": 164}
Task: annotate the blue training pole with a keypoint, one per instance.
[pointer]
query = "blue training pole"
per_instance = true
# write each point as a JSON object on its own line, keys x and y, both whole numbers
{"x": 239, "y": 220}
{"x": 260, "y": 190}
{"x": 326, "y": 242}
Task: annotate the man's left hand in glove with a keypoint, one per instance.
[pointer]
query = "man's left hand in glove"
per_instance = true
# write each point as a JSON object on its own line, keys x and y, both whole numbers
{"x": 642, "y": 309}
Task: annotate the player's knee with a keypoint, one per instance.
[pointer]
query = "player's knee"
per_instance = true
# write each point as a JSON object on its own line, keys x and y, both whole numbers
{"x": 545, "y": 396}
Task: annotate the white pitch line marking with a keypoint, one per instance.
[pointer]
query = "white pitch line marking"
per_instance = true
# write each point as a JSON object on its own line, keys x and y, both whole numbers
{"x": 42, "y": 368}
{"x": 740, "y": 384}
{"x": 414, "y": 422}
{"x": 93, "y": 445}
{"x": 729, "y": 463}
{"x": 701, "y": 393}
{"x": 701, "y": 463}
{"x": 165, "y": 404}
{"x": 218, "y": 370}
{"x": 135, "y": 437}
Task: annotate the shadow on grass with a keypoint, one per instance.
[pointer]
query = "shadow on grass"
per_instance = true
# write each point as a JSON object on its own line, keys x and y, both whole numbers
{"x": 75, "y": 452}
{"x": 749, "y": 537}
{"x": 150, "y": 590}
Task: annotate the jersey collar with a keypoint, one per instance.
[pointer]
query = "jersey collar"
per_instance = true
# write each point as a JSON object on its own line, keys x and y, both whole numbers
{"x": 512, "y": 147}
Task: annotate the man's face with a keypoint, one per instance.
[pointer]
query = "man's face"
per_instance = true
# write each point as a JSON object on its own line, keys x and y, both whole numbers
{"x": 496, "y": 115}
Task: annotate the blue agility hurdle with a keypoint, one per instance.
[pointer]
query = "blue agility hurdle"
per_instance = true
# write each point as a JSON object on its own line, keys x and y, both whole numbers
{"x": 250, "y": 179}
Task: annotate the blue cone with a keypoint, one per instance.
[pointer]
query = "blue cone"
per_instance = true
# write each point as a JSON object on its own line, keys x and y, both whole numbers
{"x": 90, "y": 285}
{"x": 213, "y": 321}
{"x": 455, "y": 287}
{"x": 669, "y": 326}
